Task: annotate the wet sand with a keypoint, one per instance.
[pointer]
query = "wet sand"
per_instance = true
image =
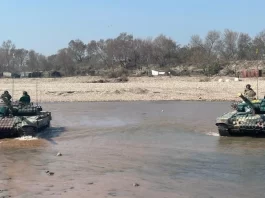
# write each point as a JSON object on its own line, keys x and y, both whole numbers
{"x": 171, "y": 149}
{"x": 136, "y": 89}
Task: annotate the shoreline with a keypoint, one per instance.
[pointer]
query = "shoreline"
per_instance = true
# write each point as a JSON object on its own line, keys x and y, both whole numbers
{"x": 161, "y": 88}
{"x": 104, "y": 101}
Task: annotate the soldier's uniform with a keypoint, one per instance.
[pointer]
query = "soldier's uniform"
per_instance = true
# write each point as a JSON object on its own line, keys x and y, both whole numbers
{"x": 25, "y": 99}
{"x": 6, "y": 96}
{"x": 249, "y": 93}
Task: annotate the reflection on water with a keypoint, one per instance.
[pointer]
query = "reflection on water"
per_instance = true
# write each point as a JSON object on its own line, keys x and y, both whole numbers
{"x": 172, "y": 149}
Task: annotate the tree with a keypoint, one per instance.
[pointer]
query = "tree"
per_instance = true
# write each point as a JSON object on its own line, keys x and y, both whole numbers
{"x": 244, "y": 44}
{"x": 64, "y": 60}
{"x": 210, "y": 44}
{"x": 52, "y": 63}
{"x": 184, "y": 53}
{"x": 146, "y": 52}
{"x": 7, "y": 50}
{"x": 122, "y": 47}
{"x": 258, "y": 48}
{"x": 164, "y": 49}
{"x": 205, "y": 51}
{"x": 43, "y": 62}
{"x": 227, "y": 47}
{"x": 32, "y": 62}
{"x": 102, "y": 51}
{"x": 77, "y": 50}
{"x": 20, "y": 58}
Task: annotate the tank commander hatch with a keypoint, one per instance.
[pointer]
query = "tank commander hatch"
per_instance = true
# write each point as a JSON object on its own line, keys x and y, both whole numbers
{"x": 249, "y": 92}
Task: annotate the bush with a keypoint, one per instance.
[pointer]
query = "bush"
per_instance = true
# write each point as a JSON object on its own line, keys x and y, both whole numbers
{"x": 123, "y": 78}
{"x": 172, "y": 72}
{"x": 212, "y": 69}
{"x": 117, "y": 73}
{"x": 184, "y": 73}
{"x": 206, "y": 79}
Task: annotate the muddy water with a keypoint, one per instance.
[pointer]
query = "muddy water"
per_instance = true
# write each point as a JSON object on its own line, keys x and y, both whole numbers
{"x": 171, "y": 149}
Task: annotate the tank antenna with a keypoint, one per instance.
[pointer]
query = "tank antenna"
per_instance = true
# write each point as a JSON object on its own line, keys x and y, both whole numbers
{"x": 258, "y": 84}
{"x": 12, "y": 88}
{"x": 257, "y": 51}
{"x": 37, "y": 91}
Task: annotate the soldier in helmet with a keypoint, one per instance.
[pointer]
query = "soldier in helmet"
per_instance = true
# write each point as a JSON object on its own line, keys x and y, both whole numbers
{"x": 6, "y": 96}
{"x": 25, "y": 99}
{"x": 249, "y": 92}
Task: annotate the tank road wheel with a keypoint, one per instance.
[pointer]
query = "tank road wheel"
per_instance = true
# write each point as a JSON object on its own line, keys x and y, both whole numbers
{"x": 223, "y": 130}
{"x": 29, "y": 131}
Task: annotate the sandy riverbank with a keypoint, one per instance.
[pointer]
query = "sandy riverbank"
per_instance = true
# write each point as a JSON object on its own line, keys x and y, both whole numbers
{"x": 137, "y": 88}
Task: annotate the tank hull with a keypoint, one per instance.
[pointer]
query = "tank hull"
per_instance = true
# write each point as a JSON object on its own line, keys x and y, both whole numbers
{"x": 241, "y": 124}
{"x": 17, "y": 126}
{"x": 248, "y": 131}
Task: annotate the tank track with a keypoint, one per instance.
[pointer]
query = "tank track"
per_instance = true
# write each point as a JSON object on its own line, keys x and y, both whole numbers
{"x": 223, "y": 130}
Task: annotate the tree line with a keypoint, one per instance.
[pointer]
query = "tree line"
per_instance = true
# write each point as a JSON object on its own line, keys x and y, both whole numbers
{"x": 207, "y": 53}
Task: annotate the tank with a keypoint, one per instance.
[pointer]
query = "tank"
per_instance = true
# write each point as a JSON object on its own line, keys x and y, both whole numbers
{"x": 21, "y": 120}
{"x": 247, "y": 119}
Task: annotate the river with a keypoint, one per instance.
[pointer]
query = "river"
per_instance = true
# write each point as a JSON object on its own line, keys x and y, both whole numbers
{"x": 169, "y": 148}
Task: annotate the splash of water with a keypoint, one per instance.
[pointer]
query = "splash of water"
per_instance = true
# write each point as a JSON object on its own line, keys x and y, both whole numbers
{"x": 27, "y": 138}
{"x": 213, "y": 134}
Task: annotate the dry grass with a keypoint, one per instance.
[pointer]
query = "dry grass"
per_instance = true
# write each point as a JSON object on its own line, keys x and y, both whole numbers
{"x": 137, "y": 88}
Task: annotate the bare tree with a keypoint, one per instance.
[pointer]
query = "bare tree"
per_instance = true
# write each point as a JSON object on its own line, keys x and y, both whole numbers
{"x": 205, "y": 50}
{"x": 244, "y": 44}
{"x": 32, "y": 62}
{"x": 52, "y": 63}
{"x": 122, "y": 47}
{"x": 8, "y": 49}
{"x": 20, "y": 58}
{"x": 64, "y": 60}
{"x": 184, "y": 54}
{"x": 258, "y": 48}
{"x": 198, "y": 50}
{"x": 43, "y": 62}
{"x": 164, "y": 49}
{"x": 146, "y": 52}
{"x": 197, "y": 42}
{"x": 210, "y": 44}
{"x": 103, "y": 51}
{"x": 227, "y": 47}
{"x": 77, "y": 49}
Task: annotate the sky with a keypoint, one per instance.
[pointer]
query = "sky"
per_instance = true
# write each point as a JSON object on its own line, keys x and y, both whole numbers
{"x": 48, "y": 25}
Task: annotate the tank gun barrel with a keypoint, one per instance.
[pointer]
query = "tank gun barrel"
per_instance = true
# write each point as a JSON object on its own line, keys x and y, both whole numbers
{"x": 247, "y": 101}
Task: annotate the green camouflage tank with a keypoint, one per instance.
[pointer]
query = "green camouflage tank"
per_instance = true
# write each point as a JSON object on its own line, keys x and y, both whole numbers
{"x": 18, "y": 120}
{"x": 248, "y": 118}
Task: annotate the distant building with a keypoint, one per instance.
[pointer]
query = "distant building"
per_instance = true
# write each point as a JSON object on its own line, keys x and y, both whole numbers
{"x": 10, "y": 75}
{"x": 7, "y": 74}
{"x": 25, "y": 74}
{"x": 51, "y": 74}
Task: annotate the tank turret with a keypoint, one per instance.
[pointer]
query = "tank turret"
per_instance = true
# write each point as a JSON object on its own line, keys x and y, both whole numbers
{"x": 248, "y": 102}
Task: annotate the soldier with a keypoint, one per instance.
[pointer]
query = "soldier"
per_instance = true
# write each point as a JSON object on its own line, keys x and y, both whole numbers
{"x": 25, "y": 99}
{"x": 6, "y": 96}
{"x": 249, "y": 92}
